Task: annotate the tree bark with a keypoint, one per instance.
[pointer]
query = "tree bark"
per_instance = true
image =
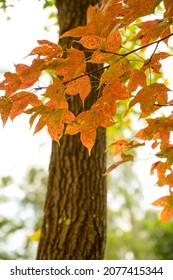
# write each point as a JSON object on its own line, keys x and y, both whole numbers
{"x": 74, "y": 224}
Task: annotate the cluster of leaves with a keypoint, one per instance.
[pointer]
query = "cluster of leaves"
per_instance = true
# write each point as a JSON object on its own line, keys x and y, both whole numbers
{"x": 127, "y": 75}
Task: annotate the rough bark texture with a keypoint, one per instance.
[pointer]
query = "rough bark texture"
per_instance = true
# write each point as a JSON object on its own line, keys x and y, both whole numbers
{"x": 74, "y": 225}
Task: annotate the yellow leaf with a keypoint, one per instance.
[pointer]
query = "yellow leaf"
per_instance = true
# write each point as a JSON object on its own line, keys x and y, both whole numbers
{"x": 35, "y": 236}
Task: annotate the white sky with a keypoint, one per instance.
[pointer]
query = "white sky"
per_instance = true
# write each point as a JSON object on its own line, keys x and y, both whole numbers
{"x": 18, "y": 148}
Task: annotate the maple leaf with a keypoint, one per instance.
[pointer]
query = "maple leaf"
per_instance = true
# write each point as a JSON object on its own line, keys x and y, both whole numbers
{"x": 110, "y": 94}
{"x": 110, "y": 44}
{"x": 137, "y": 78}
{"x": 161, "y": 125}
{"x": 93, "y": 27}
{"x": 81, "y": 86}
{"x": 47, "y": 49}
{"x": 92, "y": 42}
{"x": 154, "y": 62}
{"x": 151, "y": 30}
{"x": 73, "y": 66}
{"x": 120, "y": 145}
{"x": 28, "y": 75}
{"x": 161, "y": 168}
{"x": 54, "y": 120}
{"x": 56, "y": 93}
{"x": 11, "y": 83}
{"x": 115, "y": 70}
{"x": 87, "y": 123}
{"x": 112, "y": 11}
{"x": 167, "y": 203}
{"x": 5, "y": 108}
{"x": 100, "y": 57}
{"x": 20, "y": 101}
{"x": 100, "y": 22}
{"x": 148, "y": 96}
{"x": 138, "y": 8}
{"x": 166, "y": 152}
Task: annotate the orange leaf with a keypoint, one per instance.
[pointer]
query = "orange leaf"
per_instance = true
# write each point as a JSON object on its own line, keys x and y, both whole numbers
{"x": 167, "y": 203}
{"x": 5, "y": 108}
{"x": 56, "y": 93}
{"x": 116, "y": 70}
{"x": 87, "y": 123}
{"x": 28, "y": 75}
{"x": 119, "y": 146}
{"x": 153, "y": 63}
{"x": 47, "y": 49}
{"x": 92, "y": 42}
{"x": 148, "y": 97}
{"x": 115, "y": 91}
{"x": 161, "y": 168}
{"x": 138, "y": 8}
{"x": 110, "y": 44}
{"x": 151, "y": 30}
{"x": 73, "y": 66}
{"x": 81, "y": 86}
{"x": 168, "y": 8}
{"x": 93, "y": 27}
{"x": 54, "y": 120}
{"x": 21, "y": 100}
{"x": 137, "y": 78}
{"x": 11, "y": 83}
{"x": 99, "y": 57}
{"x": 113, "y": 42}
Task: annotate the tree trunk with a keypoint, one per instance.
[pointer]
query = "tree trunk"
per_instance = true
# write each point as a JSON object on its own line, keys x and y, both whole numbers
{"x": 74, "y": 225}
